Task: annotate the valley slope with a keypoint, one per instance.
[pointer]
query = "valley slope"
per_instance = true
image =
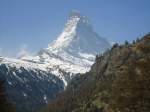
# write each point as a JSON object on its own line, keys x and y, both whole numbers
{"x": 119, "y": 81}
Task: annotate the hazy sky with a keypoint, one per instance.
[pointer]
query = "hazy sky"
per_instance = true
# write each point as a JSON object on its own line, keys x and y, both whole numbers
{"x": 32, "y": 24}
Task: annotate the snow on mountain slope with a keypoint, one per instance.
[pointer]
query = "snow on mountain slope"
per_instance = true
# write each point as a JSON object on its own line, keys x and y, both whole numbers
{"x": 72, "y": 52}
{"x": 28, "y": 86}
{"x": 79, "y": 36}
{"x": 48, "y": 73}
{"x": 75, "y": 48}
{"x": 32, "y": 66}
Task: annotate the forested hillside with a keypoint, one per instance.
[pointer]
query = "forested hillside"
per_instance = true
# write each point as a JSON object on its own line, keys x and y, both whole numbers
{"x": 119, "y": 81}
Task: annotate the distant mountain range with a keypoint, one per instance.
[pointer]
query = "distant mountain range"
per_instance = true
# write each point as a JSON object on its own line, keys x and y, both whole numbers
{"x": 32, "y": 81}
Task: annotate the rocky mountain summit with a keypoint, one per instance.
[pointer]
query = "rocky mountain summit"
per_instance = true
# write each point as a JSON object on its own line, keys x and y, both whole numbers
{"x": 32, "y": 81}
{"x": 74, "y": 49}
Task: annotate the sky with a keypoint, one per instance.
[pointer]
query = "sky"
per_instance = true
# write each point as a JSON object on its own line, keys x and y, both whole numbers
{"x": 26, "y": 26}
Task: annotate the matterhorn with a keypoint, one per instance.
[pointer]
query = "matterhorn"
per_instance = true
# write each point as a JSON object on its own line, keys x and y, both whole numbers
{"x": 74, "y": 49}
{"x": 34, "y": 80}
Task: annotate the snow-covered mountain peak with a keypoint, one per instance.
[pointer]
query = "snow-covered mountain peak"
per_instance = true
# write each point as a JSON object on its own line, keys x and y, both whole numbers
{"x": 75, "y": 22}
{"x": 78, "y": 36}
{"x": 49, "y": 72}
{"x": 75, "y": 13}
{"x": 72, "y": 52}
{"x": 75, "y": 48}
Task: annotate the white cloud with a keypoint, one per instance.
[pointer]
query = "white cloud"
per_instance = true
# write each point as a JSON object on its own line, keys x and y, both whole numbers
{"x": 23, "y": 51}
{"x": 3, "y": 53}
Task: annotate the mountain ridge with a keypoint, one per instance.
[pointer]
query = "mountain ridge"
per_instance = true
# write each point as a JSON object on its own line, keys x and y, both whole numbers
{"x": 75, "y": 48}
{"x": 49, "y": 72}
